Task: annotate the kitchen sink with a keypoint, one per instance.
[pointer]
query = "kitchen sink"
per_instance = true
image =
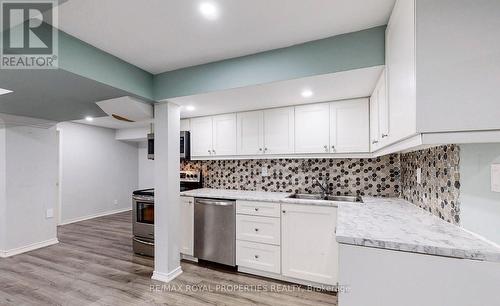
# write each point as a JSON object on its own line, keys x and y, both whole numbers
{"x": 316, "y": 196}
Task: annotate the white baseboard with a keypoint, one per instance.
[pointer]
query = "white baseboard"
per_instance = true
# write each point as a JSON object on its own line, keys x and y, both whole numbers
{"x": 167, "y": 277}
{"x": 101, "y": 214}
{"x": 27, "y": 248}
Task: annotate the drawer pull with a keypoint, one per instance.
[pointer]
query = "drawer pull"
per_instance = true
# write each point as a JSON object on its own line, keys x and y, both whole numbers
{"x": 284, "y": 211}
{"x": 256, "y": 256}
{"x": 256, "y": 229}
{"x": 256, "y": 209}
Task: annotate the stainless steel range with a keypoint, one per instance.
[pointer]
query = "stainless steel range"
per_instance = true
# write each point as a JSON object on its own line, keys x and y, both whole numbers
{"x": 143, "y": 212}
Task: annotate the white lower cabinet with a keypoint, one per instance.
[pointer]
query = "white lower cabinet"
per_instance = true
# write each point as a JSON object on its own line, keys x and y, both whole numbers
{"x": 258, "y": 229}
{"x": 258, "y": 236}
{"x": 290, "y": 242}
{"x": 187, "y": 226}
{"x": 258, "y": 256}
{"x": 309, "y": 250}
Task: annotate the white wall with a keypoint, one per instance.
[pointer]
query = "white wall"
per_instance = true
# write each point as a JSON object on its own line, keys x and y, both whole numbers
{"x": 480, "y": 207}
{"x": 29, "y": 189}
{"x": 146, "y": 167}
{"x": 96, "y": 170}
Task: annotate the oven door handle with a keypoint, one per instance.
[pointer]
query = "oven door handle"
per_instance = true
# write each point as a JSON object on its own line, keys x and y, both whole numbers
{"x": 218, "y": 203}
{"x": 143, "y": 242}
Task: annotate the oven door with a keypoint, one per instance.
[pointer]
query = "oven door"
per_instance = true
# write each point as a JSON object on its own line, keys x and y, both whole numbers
{"x": 143, "y": 218}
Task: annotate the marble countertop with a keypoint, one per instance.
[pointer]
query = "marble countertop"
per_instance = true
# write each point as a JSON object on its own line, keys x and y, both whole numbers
{"x": 276, "y": 197}
{"x": 396, "y": 224}
{"x": 393, "y": 224}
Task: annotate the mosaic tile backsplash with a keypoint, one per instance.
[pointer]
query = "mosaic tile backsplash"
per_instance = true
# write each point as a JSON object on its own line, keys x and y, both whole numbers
{"x": 368, "y": 177}
{"x": 439, "y": 190}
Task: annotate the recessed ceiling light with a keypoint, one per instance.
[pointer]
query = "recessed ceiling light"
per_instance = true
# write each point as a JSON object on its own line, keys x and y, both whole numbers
{"x": 190, "y": 108}
{"x": 88, "y": 118}
{"x": 209, "y": 10}
{"x": 4, "y": 91}
{"x": 306, "y": 93}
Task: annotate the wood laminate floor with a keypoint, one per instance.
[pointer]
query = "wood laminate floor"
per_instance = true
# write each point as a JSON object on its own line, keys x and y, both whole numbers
{"x": 94, "y": 265}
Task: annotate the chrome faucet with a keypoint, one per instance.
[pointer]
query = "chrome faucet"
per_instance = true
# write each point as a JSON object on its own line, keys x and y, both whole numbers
{"x": 324, "y": 188}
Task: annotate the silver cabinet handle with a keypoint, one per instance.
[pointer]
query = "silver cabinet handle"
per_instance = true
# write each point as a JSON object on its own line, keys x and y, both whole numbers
{"x": 143, "y": 242}
{"x": 384, "y": 135}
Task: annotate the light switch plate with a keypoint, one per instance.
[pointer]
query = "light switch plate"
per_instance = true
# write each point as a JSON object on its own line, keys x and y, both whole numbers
{"x": 49, "y": 213}
{"x": 419, "y": 175}
{"x": 263, "y": 171}
{"x": 495, "y": 177}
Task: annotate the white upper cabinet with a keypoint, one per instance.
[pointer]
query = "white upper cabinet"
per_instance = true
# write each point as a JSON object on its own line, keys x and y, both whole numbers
{"x": 201, "y": 136}
{"x": 349, "y": 126}
{"x": 400, "y": 69}
{"x": 312, "y": 128}
{"x": 374, "y": 121}
{"x": 186, "y": 125}
{"x": 279, "y": 130}
{"x": 379, "y": 115}
{"x": 213, "y": 136}
{"x": 224, "y": 135}
{"x": 250, "y": 133}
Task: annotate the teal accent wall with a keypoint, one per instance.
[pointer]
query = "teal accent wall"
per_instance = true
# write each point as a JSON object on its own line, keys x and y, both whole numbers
{"x": 344, "y": 52}
{"x": 85, "y": 60}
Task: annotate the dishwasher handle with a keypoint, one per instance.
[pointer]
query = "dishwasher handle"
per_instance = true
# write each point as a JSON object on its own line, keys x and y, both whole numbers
{"x": 214, "y": 202}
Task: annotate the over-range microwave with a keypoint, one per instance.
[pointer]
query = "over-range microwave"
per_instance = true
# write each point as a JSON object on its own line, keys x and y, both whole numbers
{"x": 185, "y": 152}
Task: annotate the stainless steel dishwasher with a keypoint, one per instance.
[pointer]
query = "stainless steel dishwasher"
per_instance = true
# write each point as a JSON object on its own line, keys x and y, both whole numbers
{"x": 215, "y": 230}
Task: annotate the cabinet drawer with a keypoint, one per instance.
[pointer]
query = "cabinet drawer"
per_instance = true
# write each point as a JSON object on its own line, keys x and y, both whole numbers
{"x": 258, "y": 229}
{"x": 258, "y": 208}
{"x": 258, "y": 256}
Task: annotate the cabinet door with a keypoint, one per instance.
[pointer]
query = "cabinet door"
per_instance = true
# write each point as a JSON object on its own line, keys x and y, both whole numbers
{"x": 375, "y": 119}
{"x": 279, "y": 130}
{"x": 349, "y": 126}
{"x": 201, "y": 136}
{"x": 224, "y": 135}
{"x": 308, "y": 246}
{"x": 400, "y": 70}
{"x": 250, "y": 133}
{"x": 383, "y": 109}
{"x": 185, "y": 125}
{"x": 187, "y": 226}
{"x": 312, "y": 132}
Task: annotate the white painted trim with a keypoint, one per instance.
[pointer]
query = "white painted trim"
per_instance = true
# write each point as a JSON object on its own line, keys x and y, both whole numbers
{"x": 491, "y": 136}
{"x": 101, "y": 214}
{"x": 287, "y": 279}
{"x": 410, "y": 142}
{"x": 283, "y": 156}
{"x": 27, "y": 248}
{"x": 167, "y": 277}
{"x": 189, "y": 258}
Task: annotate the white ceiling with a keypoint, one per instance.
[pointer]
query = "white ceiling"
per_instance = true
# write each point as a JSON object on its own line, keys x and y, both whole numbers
{"x": 162, "y": 35}
{"x": 328, "y": 87}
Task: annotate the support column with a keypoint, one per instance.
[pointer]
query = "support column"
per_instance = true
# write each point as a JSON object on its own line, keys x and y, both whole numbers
{"x": 167, "y": 198}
